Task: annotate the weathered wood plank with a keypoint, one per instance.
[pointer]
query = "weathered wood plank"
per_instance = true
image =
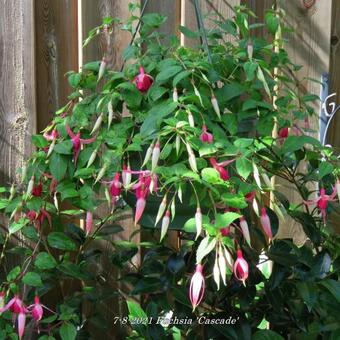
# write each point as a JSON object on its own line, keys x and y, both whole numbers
{"x": 110, "y": 47}
{"x": 56, "y": 53}
{"x": 334, "y": 136}
{"x": 17, "y": 86}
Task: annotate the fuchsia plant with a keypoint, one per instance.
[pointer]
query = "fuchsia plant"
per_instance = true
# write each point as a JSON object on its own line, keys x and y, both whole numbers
{"x": 189, "y": 147}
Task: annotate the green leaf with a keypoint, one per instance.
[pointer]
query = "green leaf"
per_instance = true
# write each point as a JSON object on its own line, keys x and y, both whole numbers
{"x": 294, "y": 143}
{"x": 58, "y": 166}
{"x": 250, "y": 68}
{"x": 67, "y": 331}
{"x": 207, "y": 149}
{"x": 39, "y": 141}
{"x": 110, "y": 230}
{"x": 16, "y": 226}
{"x": 333, "y": 287}
{"x": 153, "y": 19}
{"x": 60, "y": 241}
{"x": 156, "y": 92}
{"x": 266, "y": 334}
{"x": 155, "y": 117}
{"x": 32, "y": 279}
{"x": 206, "y": 246}
{"x": 244, "y": 167}
{"x": 210, "y": 175}
{"x": 308, "y": 293}
{"x": 229, "y": 91}
{"x": 13, "y": 273}
{"x": 234, "y": 201}
{"x": 130, "y": 52}
{"x": 74, "y": 79}
{"x": 135, "y": 310}
{"x": 180, "y": 76}
{"x": 188, "y": 33}
{"x": 45, "y": 261}
{"x": 325, "y": 168}
{"x": 190, "y": 225}
{"x": 167, "y": 73}
{"x": 224, "y": 220}
{"x": 64, "y": 148}
{"x": 272, "y": 22}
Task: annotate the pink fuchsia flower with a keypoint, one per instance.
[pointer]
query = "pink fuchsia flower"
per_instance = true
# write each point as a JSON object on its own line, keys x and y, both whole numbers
{"x": 206, "y": 137}
{"x": 249, "y": 197}
{"x": 266, "y": 225}
{"x": 224, "y": 174}
{"x": 36, "y": 309}
{"x": 241, "y": 267}
{"x": 283, "y": 133}
{"x": 225, "y": 231}
{"x": 141, "y": 192}
{"x": 337, "y": 188}
{"x": 155, "y": 155}
{"x": 37, "y": 190}
{"x": 322, "y": 202}
{"x": 143, "y": 81}
{"x": 77, "y": 142}
{"x": 197, "y": 287}
{"x": 115, "y": 188}
{"x": 51, "y": 136}
{"x": 15, "y": 305}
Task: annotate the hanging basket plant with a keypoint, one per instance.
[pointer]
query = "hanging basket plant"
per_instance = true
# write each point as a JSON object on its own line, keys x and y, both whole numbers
{"x": 199, "y": 140}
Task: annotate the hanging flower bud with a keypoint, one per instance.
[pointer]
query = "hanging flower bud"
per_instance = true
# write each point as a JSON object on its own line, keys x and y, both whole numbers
{"x": 198, "y": 222}
{"x": 101, "y": 173}
{"x": 175, "y": 94}
{"x": 250, "y": 49}
{"x": 126, "y": 175}
{"x": 206, "y": 137}
{"x": 30, "y": 187}
{"x": 55, "y": 201}
{"x": 266, "y": 225}
{"x": 337, "y": 187}
{"x": 245, "y": 230}
{"x": 216, "y": 273}
{"x": 143, "y": 81}
{"x": 21, "y": 323}
{"x": 89, "y": 222}
{"x": 197, "y": 287}
{"x": 155, "y": 155}
{"x": 161, "y": 209}
{"x": 153, "y": 183}
{"x": 108, "y": 197}
{"x": 165, "y": 224}
{"x": 92, "y": 158}
{"x": 191, "y": 119}
{"x": 241, "y": 267}
{"x": 173, "y": 209}
{"x": 178, "y": 144}
{"x": 222, "y": 263}
{"x": 102, "y": 68}
{"x": 180, "y": 193}
{"x": 2, "y": 299}
{"x": 110, "y": 116}
{"x": 140, "y": 206}
{"x": 215, "y": 106}
{"x": 148, "y": 154}
{"x": 12, "y": 192}
{"x": 97, "y": 124}
{"x": 191, "y": 158}
{"x": 229, "y": 258}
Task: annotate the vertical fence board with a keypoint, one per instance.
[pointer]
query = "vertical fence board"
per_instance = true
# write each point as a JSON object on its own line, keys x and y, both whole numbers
{"x": 334, "y": 136}
{"x": 110, "y": 47}
{"x": 17, "y": 86}
{"x": 56, "y": 53}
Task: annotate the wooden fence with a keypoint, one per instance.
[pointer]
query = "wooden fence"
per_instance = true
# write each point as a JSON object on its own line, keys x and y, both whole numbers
{"x": 41, "y": 40}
